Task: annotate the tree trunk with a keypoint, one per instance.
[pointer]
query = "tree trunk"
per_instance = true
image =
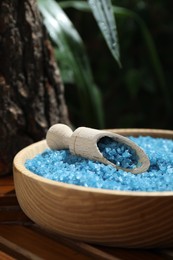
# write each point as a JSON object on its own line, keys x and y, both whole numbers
{"x": 31, "y": 91}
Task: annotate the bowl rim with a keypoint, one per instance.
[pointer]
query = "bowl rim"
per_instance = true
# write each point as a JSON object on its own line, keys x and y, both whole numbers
{"x": 19, "y": 166}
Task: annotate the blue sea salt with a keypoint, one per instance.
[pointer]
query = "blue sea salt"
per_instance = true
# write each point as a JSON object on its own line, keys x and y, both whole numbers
{"x": 119, "y": 154}
{"x": 64, "y": 167}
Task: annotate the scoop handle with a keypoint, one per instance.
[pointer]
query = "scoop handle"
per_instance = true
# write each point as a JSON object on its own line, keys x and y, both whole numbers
{"x": 58, "y": 136}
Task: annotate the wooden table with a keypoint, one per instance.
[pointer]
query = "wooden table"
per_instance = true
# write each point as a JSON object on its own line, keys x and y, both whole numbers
{"x": 20, "y": 238}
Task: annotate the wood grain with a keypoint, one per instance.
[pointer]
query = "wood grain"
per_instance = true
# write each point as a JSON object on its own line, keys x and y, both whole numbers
{"x": 31, "y": 245}
{"x": 4, "y": 256}
{"x": 114, "y": 218}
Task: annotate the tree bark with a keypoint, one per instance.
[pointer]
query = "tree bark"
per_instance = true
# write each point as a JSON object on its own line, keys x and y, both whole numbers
{"x": 31, "y": 91}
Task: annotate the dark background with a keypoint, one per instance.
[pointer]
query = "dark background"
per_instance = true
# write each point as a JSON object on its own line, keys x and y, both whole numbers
{"x": 137, "y": 95}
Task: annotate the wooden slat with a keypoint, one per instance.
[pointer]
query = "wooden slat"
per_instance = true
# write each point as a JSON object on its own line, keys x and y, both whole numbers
{"x": 13, "y": 214}
{"x": 31, "y": 244}
{"x": 87, "y": 249}
{"x": 10, "y": 253}
{"x": 7, "y": 191}
{"x": 8, "y": 199}
{"x": 6, "y": 180}
{"x": 135, "y": 254}
{"x": 10, "y": 212}
{"x": 6, "y": 184}
{"x": 108, "y": 253}
{"x": 4, "y": 256}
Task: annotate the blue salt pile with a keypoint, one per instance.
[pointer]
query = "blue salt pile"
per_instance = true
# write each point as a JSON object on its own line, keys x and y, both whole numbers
{"x": 118, "y": 153}
{"x": 64, "y": 167}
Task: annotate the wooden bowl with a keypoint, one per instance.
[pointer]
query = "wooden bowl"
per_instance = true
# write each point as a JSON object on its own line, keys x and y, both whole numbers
{"x": 113, "y": 218}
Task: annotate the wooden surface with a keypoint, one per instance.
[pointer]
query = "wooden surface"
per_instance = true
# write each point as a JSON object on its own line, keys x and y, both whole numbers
{"x": 21, "y": 239}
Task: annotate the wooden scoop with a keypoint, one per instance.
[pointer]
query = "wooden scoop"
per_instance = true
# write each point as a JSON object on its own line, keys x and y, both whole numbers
{"x": 83, "y": 141}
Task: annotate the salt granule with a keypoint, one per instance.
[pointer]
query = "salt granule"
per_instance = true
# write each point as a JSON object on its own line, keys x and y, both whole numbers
{"x": 64, "y": 167}
{"x": 119, "y": 154}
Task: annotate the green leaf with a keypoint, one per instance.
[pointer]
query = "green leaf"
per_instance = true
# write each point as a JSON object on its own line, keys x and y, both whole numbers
{"x": 102, "y": 11}
{"x": 148, "y": 41}
{"x": 78, "y": 5}
{"x": 71, "y": 47}
{"x": 153, "y": 55}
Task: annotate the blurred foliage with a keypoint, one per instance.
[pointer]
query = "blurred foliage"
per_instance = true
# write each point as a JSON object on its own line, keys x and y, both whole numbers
{"x": 140, "y": 94}
{"x": 70, "y": 51}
